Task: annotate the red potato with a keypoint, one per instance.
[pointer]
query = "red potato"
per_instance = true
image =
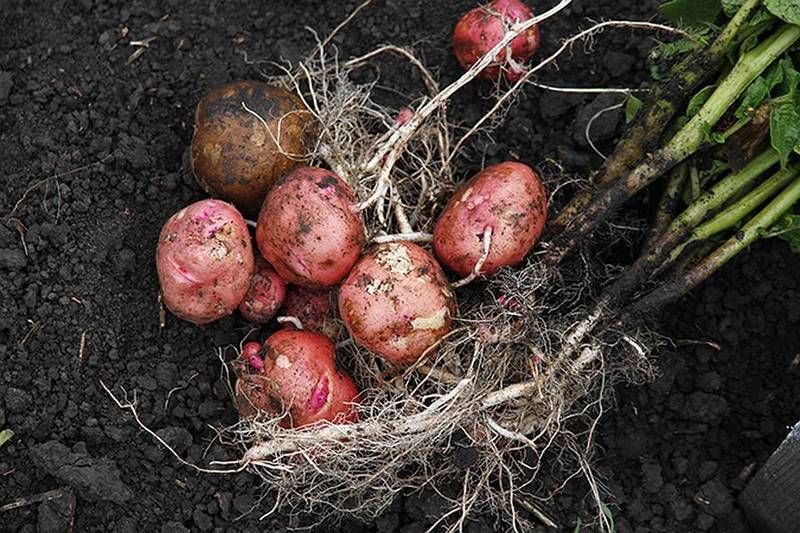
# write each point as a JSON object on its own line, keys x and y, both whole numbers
{"x": 265, "y": 296}
{"x": 482, "y": 28}
{"x": 307, "y": 229}
{"x": 313, "y": 308}
{"x": 204, "y": 261}
{"x": 396, "y": 302}
{"x": 510, "y": 199}
{"x": 299, "y": 377}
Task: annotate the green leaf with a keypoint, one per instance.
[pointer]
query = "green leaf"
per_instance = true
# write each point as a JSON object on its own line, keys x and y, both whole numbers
{"x": 632, "y": 107}
{"x": 678, "y": 47}
{"x": 691, "y": 12}
{"x": 788, "y": 10}
{"x": 699, "y": 99}
{"x": 609, "y": 516}
{"x": 788, "y": 229}
{"x": 578, "y": 526}
{"x": 730, "y": 7}
{"x": 5, "y": 436}
{"x": 712, "y": 136}
{"x": 759, "y": 90}
{"x": 791, "y": 76}
{"x": 784, "y": 128}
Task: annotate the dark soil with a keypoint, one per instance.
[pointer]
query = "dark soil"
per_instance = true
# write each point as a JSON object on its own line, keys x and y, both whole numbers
{"x": 98, "y": 137}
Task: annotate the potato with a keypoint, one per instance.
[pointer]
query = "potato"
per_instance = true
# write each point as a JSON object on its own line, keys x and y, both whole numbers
{"x": 509, "y": 198}
{"x": 482, "y": 28}
{"x": 204, "y": 261}
{"x": 265, "y": 296}
{"x": 313, "y": 308}
{"x": 307, "y": 229}
{"x": 396, "y": 302}
{"x": 299, "y": 377}
{"x": 234, "y": 154}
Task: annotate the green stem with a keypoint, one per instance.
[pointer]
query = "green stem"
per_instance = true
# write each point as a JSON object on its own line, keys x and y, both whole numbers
{"x": 742, "y": 207}
{"x": 655, "y": 259}
{"x": 726, "y": 37}
{"x": 746, "y": 70}
{"x": 682, "y": 145}
{"x": 723, "y": 190}
{"x": 752, "y": 230}
{"x": 663, "y": 102}
{"x": 668, "y": 205}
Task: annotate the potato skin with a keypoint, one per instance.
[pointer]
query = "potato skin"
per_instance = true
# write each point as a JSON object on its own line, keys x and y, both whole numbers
{"x": 204, "y": 261}
{"x": 307, "y": 229}
{"x": 396, "y": 302}
{"x": 313, "y": 307}
{"x": 511, "y": 199}
{"x": 299, "y": 376}
{"x": 234, "y": 157}
{"x": 480, "y": 29}
{"x": 265, "y": 295}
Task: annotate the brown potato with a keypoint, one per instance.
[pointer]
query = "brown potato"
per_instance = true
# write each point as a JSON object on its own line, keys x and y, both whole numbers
{"x": 235, "y": 156}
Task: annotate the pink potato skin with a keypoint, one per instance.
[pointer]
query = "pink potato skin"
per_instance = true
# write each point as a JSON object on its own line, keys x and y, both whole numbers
{"x": 482, "y": 28}
{"x": 396, "y": 302}
{"x": 511, "y": 199}
{"x": 265, "y": 295}
{"x": 314, "y": 309}
{"x": 204, "y": 261}
{"x": 299, "y": 376}
{"x": 307, "y": 229}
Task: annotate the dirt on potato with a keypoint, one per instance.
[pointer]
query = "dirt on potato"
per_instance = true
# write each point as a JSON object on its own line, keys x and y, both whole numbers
{"x": 98, "y": 128}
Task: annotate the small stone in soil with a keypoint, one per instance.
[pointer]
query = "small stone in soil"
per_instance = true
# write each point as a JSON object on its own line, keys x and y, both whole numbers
{"x": 94, "y": 478}
{"x": 715, "y": 498}
{"x": 57, "y": 515}
{"x": 651, "y": 478}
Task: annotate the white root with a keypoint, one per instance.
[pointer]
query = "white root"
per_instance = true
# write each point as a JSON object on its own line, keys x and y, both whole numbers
{"x": 566, "y": 45}
{"x": 350, "y": 432}
{"x": 588, "y": 130}
{"x": 293, "y": 320}
{"x": 476, "y": 270}
{"x": 409, "y": 237}
{"x": 387, "y": 155}
{"x": 131, "y": 407}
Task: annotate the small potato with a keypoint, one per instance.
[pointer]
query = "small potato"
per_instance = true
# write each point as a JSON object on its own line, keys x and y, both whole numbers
{"x": 313, "y": 308}
{"x": 204, "y": 261}
{"x": 482, "y": 28}
{"x": 510, "y": 199}
{"x": 396, "y": 302}
{"x": 265, "y": 296}
{"x": 234, "y": 154}
{"x": 298, "y": 376}
{"x": 307, "y": 229}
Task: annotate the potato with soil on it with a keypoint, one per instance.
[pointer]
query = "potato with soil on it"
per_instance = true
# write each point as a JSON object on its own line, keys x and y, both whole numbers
{"x": 510, "y": 199}
{"x": 308, "y": 230}
{"x": 265, "y": 296}
{"x": 204, "y": 261}
{"x": 296, "y": 376}
{"x": 482, "y": 28}
{"x": 313, "y": 308}
{"x": 235, "y": 155}
{"x": 396, "y": 302}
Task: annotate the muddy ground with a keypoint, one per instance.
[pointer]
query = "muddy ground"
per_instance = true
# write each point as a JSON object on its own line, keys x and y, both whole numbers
{"x": 93, "y": 137}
